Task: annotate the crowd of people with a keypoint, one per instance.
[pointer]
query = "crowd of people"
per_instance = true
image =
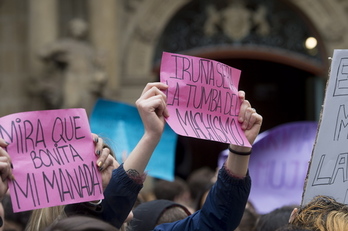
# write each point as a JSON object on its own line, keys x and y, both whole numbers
{"x": 217, "y": 202}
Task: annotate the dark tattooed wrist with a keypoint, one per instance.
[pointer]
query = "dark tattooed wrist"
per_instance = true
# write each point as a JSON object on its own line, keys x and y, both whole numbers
{"x": 132, "y": 173}
{"x": 136, "y": 176}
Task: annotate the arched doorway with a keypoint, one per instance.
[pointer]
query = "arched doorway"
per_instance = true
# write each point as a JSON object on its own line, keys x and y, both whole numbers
{"x": 279, "y": 74}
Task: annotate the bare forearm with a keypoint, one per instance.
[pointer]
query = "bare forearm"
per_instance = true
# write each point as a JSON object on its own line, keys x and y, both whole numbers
{"x": 141, "y": 154}
{"x": 238, "y": 164}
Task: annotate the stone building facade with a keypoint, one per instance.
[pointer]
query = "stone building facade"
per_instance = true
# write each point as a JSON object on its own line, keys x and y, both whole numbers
{"x": 131, "y": 34}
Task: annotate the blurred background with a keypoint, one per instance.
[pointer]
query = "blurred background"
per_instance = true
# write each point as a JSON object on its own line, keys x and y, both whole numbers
{"x": 68, "y": 53}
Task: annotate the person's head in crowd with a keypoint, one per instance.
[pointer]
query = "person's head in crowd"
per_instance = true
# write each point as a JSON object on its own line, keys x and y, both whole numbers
{"x": 41, "y": 218}
{"x": 199, "y": 180}
{"x": 273, "y": 220}
{"x": 322, "y": 213}
{"x": 80, "y": 223}
{"x": 202, "y": 196}
{"x": 152, "y": 213}
{"x": 177, "y": 191}
{"x": 251, "y": 207}
{"x": 14, "y": 221}
{"x": 249, "y": 219}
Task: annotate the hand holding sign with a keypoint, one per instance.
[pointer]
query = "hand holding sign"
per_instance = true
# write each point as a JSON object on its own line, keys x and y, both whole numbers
{"x": 106, "y": 162}
{"x": 152, "y": 107}
{"x": 248, "y": 118}
{"x": 202, "y": 98}
{"x": 5, "y": 168}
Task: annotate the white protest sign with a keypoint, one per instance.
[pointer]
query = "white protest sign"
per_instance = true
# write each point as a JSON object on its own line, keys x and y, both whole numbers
{"x": 328, "y": 170}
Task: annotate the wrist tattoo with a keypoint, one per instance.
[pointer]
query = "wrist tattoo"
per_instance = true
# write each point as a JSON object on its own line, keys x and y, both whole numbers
{"x": 135, "y": 176}
{"x": 132, "y": 173}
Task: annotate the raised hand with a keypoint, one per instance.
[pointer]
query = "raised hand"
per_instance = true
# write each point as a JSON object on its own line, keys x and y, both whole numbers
{"x": 152, "y": 107}
{"x": 5, "y": 168}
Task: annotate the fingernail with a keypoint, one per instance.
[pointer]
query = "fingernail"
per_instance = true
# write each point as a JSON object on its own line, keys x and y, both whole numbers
{"x": 100, "y": 168}
{"x": 7, "y": 142}
{"x": 96, "y": 140}
{"x": 97, "y": 152}
{"x": 99, "y": 163}
{"x": 11, "y": 165}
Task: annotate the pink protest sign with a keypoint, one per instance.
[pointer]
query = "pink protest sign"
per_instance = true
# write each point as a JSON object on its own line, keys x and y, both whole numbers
{"x": 202, "y": 98}
{"x": 52, "y": 153}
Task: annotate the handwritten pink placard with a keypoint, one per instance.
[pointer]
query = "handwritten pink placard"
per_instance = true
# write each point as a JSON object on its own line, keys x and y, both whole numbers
{"x": 52, "y": 152}
{"x": 202, "y": 98}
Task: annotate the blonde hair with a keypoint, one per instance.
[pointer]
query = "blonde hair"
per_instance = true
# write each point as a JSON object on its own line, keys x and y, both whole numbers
{"x": 42, "y": 218}
{"x": 323, "y": 213}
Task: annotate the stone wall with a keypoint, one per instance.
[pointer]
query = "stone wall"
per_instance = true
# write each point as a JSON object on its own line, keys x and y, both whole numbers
{"x": 125, "y": 31}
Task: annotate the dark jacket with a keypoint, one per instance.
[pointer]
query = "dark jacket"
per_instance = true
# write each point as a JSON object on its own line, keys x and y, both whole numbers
{"x": 119, "y": 198}
{"x": 222, "y": 210}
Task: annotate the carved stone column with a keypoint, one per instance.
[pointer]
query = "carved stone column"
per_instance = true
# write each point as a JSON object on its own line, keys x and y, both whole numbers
{"x": 43, "y": 29}
{"x": 104, "y": 34}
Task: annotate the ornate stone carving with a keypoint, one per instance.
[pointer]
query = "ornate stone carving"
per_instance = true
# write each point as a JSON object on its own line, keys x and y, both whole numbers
{"x": 260, "y": 21}
{"x": 236, "y": 21}
{"x": 73, "y": 74}
{"x": 268, "y": 23}
{"x": 213, "y": 21}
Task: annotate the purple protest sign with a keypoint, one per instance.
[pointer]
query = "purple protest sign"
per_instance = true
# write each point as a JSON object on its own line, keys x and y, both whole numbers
{"x": 52, "y": 153}
{"x": 202, "y": 98}
{"x": 279, "y": 164}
